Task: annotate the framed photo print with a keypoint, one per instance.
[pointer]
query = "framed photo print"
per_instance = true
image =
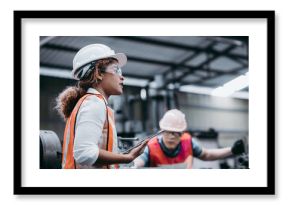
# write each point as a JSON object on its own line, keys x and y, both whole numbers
{"x": 144, "y": 102}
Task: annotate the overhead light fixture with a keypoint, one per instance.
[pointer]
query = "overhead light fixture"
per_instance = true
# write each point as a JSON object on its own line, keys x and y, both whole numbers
{"x": 207, "y": 91}
{"x": 232, "y": 86}
{"x": 240, "y": 95}
{"x": 143, "y": 94}
{"x": 57, "y": 73}
{"x": 61, "y": 73}
{"x": 196, "y": 89}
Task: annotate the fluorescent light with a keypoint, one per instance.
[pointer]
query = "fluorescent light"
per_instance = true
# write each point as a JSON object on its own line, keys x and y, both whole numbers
{"x": 196, "y": 89}
{"x": 143, "y": 94}
{"x": 207, "y": 91}
{"x": 238, "y": 83}
{"x": 61, "y": 73}
{"x": 241, "y": 95}
{"x": 232, "y": 86}
{"x": 58, "y": 73}
{"x": 222, "y": 92}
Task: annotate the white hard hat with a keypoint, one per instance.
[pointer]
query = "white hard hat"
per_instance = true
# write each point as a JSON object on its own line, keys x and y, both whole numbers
{"x": 85, "y": 56}
{"x": 174, "y": 121}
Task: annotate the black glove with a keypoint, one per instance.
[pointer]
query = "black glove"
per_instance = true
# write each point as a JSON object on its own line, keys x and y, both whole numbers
{"x": 238, "y": 147}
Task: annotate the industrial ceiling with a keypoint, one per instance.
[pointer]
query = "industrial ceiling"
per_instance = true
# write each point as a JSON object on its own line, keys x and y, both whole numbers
{"x": 179, "y": 60}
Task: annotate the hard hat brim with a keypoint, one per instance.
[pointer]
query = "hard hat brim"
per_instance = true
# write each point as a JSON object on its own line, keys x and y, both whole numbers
{"x": 171, "y": 129}
{"x": 120, "y": 57}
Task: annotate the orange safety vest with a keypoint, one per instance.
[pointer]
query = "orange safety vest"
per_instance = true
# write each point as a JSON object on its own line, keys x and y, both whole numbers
{"x": 158, "y": 157}
{"x": 68, "y": 161}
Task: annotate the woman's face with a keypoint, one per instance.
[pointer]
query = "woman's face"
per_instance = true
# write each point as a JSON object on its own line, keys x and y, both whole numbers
{"x": 112, "y": 82}
{"x": 171, "y": 139}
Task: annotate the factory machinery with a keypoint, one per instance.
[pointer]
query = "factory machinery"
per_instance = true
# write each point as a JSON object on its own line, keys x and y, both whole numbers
{"x": 51, "y": 153}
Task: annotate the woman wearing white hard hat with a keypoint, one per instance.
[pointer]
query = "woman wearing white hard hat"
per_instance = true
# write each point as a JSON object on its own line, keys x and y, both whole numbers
{"x": 175, "y": 146}
{"x": 90, "y": 138}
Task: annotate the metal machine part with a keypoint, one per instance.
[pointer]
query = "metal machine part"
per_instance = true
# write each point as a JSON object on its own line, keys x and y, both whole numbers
{"x": 242, "y": 162}
{"x": 50, "y": 150}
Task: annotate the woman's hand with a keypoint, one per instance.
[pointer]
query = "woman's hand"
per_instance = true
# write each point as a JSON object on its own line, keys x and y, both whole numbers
{"x": 106, "y": 157}
{"x": 137, "y": 150}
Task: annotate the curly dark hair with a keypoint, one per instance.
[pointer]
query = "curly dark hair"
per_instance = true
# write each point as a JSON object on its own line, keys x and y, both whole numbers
{"x": 68, "y": 98}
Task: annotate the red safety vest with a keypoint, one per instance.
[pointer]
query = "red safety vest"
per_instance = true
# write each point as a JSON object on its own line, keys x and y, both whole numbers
{"x": 158, "y": 157}
{"x": 68, "y": 161}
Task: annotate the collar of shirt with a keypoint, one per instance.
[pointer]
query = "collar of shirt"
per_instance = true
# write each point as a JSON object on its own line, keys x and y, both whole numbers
{"x": 94, "y": 91}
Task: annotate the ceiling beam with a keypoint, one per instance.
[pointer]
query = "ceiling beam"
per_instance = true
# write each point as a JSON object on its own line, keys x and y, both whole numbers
{"x": 200, "y": 67}
{"x": 176, "y": 45}
{"x": 232, "y": 72}
{"x": 172, "y": 65}
{"x": 132, "y": 58}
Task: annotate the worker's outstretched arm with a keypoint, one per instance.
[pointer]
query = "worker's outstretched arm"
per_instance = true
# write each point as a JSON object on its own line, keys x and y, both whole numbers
{"x": 214, "y": 154}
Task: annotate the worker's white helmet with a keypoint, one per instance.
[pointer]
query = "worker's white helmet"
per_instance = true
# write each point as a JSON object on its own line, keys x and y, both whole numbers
{"x": 173, "y": 121}
{"x": 91, "y": 53}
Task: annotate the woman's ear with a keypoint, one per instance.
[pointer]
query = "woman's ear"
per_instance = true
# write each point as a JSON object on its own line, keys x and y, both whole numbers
{"x": 99, "y": 75}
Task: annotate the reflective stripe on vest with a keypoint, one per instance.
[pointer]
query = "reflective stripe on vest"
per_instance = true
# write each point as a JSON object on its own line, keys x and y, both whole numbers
{"x": 68, "y": 161}
{"x": 158, "y": 157}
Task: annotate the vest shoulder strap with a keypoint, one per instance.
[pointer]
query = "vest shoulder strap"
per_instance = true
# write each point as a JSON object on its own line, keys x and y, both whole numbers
{"x": 72, "y": 120}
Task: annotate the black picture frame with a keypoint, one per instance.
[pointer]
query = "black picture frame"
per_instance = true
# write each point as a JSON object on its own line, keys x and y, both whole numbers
{"x": 19, "y": 189}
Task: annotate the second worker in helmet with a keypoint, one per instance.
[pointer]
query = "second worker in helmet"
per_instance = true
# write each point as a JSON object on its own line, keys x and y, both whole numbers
{"x": 176, "y": 147}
